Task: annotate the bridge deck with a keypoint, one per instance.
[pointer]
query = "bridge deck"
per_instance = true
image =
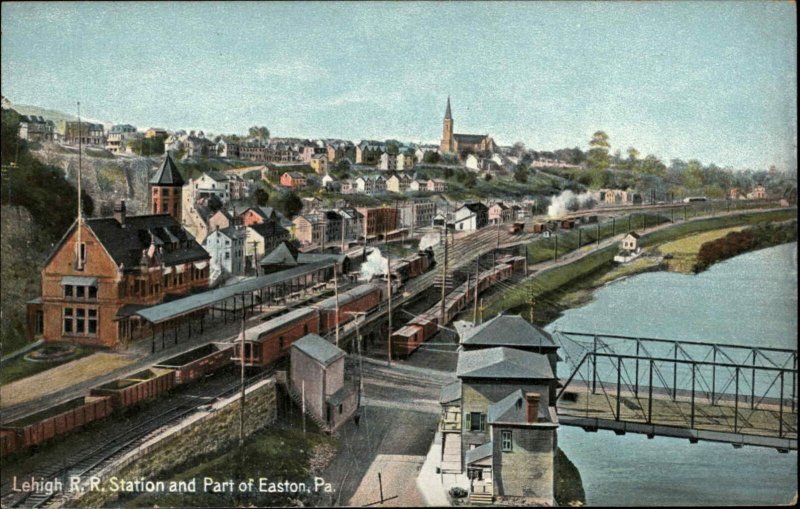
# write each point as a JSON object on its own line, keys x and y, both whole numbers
{"x": 763, "y": 425}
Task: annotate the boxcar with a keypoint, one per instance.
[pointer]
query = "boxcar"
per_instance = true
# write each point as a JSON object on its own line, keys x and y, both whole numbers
{"x": 198, "y": 362}
{"x": 132, "y": 390}
{"x": 362, "y": 298}
{"x": 267, "y": 342}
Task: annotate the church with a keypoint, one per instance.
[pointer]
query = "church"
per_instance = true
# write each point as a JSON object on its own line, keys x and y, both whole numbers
{"x": 460, "y": 143}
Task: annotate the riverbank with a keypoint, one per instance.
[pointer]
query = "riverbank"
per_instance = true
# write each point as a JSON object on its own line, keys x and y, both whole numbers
{"x": 552, "y": 291}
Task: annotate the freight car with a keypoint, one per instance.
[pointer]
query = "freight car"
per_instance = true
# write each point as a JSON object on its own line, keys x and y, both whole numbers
{"x": 267, "y": 342}
{"x": 413, "y": 266}
{"x": 362, "y": 298}
{"x": 408, "y": 338}
{"x": 197, "y": 363}
{"x": 52, "y": 422}
{"x": 135, "y": 389}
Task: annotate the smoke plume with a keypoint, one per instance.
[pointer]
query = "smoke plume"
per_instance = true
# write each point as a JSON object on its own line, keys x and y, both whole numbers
{"x": 568, "y": 201}
{"x": 374, "y": 265}
{"x": 429, "y": 240}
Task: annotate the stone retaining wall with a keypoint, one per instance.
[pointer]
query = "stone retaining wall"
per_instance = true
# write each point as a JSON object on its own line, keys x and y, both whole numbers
{"x": 203, "y": 433}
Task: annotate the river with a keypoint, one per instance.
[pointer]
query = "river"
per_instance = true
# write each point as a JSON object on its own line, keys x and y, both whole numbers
{"x": 747, "y": 299}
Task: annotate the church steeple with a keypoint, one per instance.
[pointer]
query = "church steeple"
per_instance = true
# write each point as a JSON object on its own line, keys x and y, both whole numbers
{"x": 447, "y": 130}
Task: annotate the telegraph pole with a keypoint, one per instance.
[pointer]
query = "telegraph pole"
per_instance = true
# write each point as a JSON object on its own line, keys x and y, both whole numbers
{"x": 241, "y": 413}
{"x": 475, "y": 298}
{"x": 336, "y": 293}
{"x": 444, "y": 272}
{"x": 389, "y": 285}
{"x": 555, "y": 247}
{"x": 79, "y": 265}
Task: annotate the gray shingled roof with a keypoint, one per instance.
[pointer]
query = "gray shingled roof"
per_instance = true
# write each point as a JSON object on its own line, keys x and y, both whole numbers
{"x": 511, "y": 409}
{"x": 283, "y": 254}
{"x": 503, "y": 363}
{"x": 319, "y": 349}
{"x": 167, "y": 174}
{"x": 450, "y": 392}
{"x": 478, "y": 453}
{"x": 509, "y": 330}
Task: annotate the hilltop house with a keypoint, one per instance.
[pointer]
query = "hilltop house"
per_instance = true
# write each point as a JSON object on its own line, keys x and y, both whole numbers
{"x": 293, "y": 180}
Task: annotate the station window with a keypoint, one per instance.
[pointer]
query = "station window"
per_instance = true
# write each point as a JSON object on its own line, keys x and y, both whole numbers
{"x": 68, "y": 320}
{"x": 80, "y": 321}
{"x": 280, "y": 343}
{"x": 92, "y": 321}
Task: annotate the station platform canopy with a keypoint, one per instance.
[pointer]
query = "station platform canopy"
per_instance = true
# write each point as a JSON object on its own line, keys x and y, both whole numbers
{"x": 179, "y": 307}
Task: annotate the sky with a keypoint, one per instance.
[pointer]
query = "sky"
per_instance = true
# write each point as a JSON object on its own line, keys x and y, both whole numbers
{"x": 714, "y": 81}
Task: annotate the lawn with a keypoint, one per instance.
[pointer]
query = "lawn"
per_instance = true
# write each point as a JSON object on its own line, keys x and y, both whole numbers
{"x": 20, "y": 368}
{"x": 684, "y": 251}
{"x": 60, "y": 377}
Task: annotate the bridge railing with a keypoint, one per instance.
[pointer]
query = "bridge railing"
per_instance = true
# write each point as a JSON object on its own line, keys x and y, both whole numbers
{"x": 752, "y": 397}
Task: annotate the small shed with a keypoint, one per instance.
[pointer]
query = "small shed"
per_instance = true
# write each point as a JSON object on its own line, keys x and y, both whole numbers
{"x": 631, "y": 242}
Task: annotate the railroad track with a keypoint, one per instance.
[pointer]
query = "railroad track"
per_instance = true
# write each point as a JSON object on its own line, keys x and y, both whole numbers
{"x": 112, "y": 445}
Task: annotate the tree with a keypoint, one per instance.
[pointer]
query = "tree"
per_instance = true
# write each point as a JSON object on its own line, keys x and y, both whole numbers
{"x": 147, "y": 146}
{"x": 448, "y": 173}
{"x": 487, "y": 177}
{"x": 260, "y": 133}
{"x": 262, "y": 197}
{"x": 518, "y": 149}
{"x": 521, "y": 173}
{"x": 470, "y": 180}
{"x": 693, "y": 176}
{"x": 598, "y": 151}
{"x": 431, "y": 157}
{"x": 214, "y": 203}
{"x": 288, "y": 204}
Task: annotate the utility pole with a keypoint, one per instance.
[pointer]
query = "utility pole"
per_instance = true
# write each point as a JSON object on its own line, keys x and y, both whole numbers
{"x": 580, "y": 232}
{"x": 241, "y": 406}
{"x": 613, "y": 226}
{"x": 343, "y": 225}
{"x": 598, "y": 234}
{"x": 444, "y": 273}
{"x": 336, "y": 293}
{"x": 475, "y": 298}
{"x": 79, "y": 264}
{"x": 389, "y": 285}
{"x": 555, "y": 247}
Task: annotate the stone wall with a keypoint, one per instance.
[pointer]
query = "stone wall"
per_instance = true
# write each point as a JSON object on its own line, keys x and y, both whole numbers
{"x": 198, "y": 436}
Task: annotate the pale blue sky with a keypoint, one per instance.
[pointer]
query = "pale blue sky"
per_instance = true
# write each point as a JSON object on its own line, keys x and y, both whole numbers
{"x": 715, "y": 81}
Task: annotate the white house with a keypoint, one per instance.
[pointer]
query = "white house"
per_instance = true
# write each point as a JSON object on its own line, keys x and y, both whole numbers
{"x": 212, "y": 183}
{"x": 472, "y": 162}
{"x": 226, "y": 247}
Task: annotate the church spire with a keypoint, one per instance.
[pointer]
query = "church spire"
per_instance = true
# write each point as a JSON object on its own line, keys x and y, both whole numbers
{"x": 447, "y": 114}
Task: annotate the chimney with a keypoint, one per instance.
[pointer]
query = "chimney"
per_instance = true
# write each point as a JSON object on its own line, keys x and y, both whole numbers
{"x": 119, "y": 212}
{"x": 532, "y": 406}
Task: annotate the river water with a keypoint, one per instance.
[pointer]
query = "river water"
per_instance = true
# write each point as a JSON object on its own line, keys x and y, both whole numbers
{"x": 750, "y": 299}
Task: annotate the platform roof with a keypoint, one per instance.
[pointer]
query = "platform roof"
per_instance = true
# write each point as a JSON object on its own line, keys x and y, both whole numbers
{"x": 169, "y": 310}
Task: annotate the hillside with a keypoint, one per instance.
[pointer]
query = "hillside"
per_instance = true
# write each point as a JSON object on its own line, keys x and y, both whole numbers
{"x": 23, "y": 253}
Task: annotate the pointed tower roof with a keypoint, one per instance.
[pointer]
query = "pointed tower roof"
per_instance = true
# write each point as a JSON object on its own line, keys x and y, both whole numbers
{"x": 447, "y": 114}
{"x": 168, "y": 174}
